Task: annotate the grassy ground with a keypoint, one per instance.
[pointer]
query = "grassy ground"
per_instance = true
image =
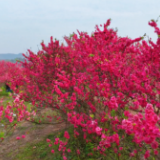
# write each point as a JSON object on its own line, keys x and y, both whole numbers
{"x": 40, "y": 150}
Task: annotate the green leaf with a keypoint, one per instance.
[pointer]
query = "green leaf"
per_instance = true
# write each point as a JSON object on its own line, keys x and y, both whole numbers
{"x": 123, "y": 116}
{"x": 113, "y": 113}
{"x": 1, "y": 134}
{"x": 91, "y": 55}
{"x": 92, "y": 115}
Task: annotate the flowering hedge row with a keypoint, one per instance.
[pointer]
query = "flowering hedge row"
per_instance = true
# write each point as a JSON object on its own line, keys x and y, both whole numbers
{"x": 104, "y": 85}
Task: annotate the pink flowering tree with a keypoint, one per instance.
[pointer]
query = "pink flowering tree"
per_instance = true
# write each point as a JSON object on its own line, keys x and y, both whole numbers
{"x": 15, "y": 111}
{"x": 104, "y": 86}
{"x": 7, "y": 70}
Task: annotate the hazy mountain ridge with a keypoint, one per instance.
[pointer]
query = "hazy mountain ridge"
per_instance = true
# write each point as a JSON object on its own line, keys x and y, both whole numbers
{"x": 11, "y": 56}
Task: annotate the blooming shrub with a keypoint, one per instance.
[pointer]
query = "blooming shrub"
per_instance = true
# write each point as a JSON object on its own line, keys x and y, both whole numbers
{"x": 8, "y": 70}
{"x": 105, "y": 86}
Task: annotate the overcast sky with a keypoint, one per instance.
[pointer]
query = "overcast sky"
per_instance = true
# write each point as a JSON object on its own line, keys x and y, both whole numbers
{"x": 25, "y": 23}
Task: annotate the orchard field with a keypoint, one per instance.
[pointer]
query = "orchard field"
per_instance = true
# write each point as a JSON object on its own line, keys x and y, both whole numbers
{"x": 95, "y": 98}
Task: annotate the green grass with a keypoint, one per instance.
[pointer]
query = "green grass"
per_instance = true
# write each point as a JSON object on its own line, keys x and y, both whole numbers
{"x": 3, "y": 92}
{"x": 41, "y": 150}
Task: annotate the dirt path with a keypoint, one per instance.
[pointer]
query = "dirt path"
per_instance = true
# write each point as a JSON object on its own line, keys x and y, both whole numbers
{"x": 34, "y": 133}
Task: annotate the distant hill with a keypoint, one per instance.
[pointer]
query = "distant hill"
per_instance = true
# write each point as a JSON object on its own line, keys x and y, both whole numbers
{"x": 10, "y": 56}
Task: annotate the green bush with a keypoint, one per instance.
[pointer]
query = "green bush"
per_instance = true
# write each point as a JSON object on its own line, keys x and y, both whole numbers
{"x": 3, "y": 91}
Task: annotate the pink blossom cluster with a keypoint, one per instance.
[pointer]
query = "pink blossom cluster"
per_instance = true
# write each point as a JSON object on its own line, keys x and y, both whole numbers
{"x": 143, "y": 128}
{"x": 105, "y": 86}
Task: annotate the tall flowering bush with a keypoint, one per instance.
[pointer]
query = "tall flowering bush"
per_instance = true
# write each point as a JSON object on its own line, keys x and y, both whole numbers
{"x": 105, "y": 86}
{"x": 7, "y": 70}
